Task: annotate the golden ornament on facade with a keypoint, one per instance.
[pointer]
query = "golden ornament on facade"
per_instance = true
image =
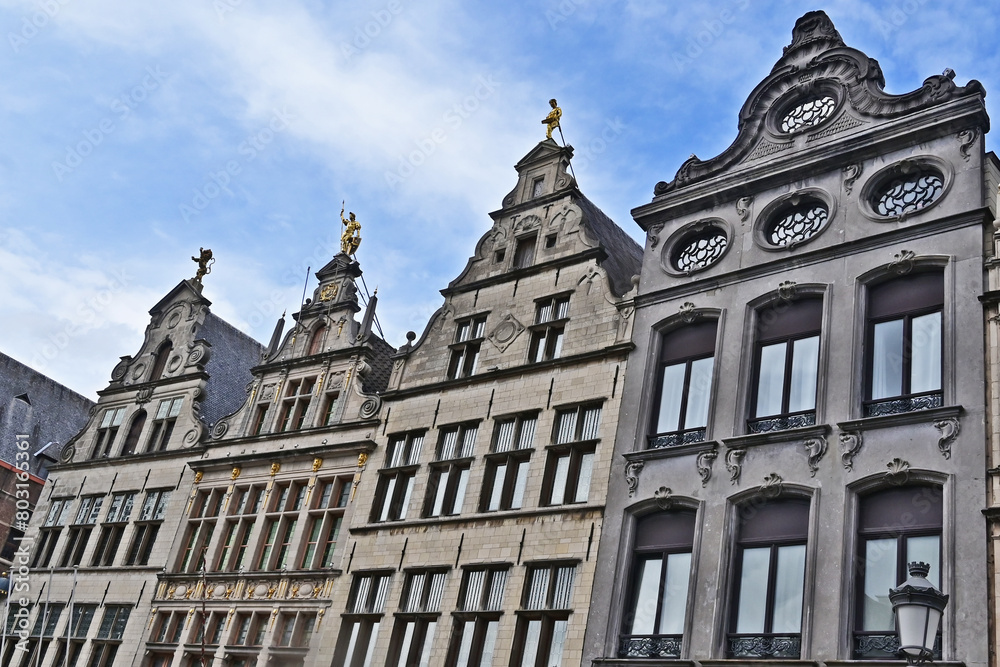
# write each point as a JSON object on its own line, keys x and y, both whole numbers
{"x": 236, "y": 472}
{"x": 329, "y": 291}
{"x": 275, "y": 467}
{"x": 205, "y": 262}
{"x": 198, "y": 477}
{"x": 317, "y": 464}
{"x": 351, "y": 238}
{"x": 551, "y": 121}
{"x": 362, "y": 459}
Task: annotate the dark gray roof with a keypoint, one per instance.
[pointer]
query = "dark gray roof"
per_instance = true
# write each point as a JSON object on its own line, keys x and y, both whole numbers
{"x": 624, "y": 254}
{"x": 381, "y": 363}
{"x": 36, "y": 405}
{"x": 233, "y": 355}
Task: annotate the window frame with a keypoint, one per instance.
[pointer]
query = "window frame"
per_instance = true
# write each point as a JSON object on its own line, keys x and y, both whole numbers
{"x": 767, "y": 645}
{"x": 396, "y": 479}
{"x": 581, "y": 444}
{"x": 470, "y": 332}
{"x": 547, "y": 615}
{"x": 789, "y": 334}
{"x": 481, "y": 616}
{"x": 162, "y": 428}
{"x": 907, "y": 400}
{"x": 686, "y": 351}
{"x": 515, "y": 455}
{"x": 548, "y": 332}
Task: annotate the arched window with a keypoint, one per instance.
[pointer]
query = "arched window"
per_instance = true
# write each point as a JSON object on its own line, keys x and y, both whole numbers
{"x": 903, "y": 351}
{"x": 316, "y": 342}
{"x": 162, "y": 354}
{"x": 653, "y": 623}
{"x": 765, "y": 618}
{"x": 134, "y": 431}
{"x": 687, "y": 357}
{"x": 895, "y": 526}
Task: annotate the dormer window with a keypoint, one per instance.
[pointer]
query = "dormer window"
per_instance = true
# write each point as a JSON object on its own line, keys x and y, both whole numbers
{"x": 537, "y": 187}
{"x": 524, "y": 253}
{"x": 162, "y": 354}
{"x": 107, "y": 431}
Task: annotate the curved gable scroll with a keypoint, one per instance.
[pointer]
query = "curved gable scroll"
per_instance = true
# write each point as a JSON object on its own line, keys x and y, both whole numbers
{"x": 845, "y": 85}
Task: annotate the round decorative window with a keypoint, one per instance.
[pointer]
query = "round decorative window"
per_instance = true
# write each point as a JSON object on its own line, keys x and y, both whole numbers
{"x": 700, "y": 250}
{"x": 797, "y": 224}
{"x": 908, "y": 192}
{"x": 808, "y": 113}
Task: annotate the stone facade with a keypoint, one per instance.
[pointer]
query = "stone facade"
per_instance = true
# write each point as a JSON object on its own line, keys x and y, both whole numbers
{"x": 807, "y": 387}
{"x": 480, "y": 510}
{"x": 105, "y": 523}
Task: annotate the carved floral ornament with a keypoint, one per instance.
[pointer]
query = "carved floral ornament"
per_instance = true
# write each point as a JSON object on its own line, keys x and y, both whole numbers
{"x": 704, "y": 463}
{"x": 632, "y": 470}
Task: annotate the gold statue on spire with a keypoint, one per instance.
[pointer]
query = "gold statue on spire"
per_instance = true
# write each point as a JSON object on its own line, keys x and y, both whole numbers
{"x": 551, "y": 121}
{"x": 351, "y": 238}
{"x": 205, "y": 262}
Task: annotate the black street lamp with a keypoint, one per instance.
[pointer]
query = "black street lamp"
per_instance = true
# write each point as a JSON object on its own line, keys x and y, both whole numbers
{"x": 918, "y": 606}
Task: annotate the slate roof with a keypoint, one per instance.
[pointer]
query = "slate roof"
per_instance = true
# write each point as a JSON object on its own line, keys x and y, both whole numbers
{"x": 624, "y": 254}
{"x": 233, "y": 355}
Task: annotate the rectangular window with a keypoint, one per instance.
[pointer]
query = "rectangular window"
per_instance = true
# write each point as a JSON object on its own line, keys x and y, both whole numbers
{"x": 543, "y": 620}
{"x": 465, "y": 350}
{"x": 571, "y": 458}
{"x": 477, "y": 620}
{"x": 331, "y": 400}
{"x": 896, "y": 526}
{"x": 111, "y": 421}
{"x": 653, "y": 624}
{"x": 201, "y": 526}
{"x": 449, "y": 474}
{"x": 109, "y": 635}
{"x": 904, "y": 344}
{"x": 786, "y": 364}
{"x": 147, "y": 527}
{"x": 420, "y": 609}
{"x": 83, "y": 616}
{"x": 113, "y": 528}
{"x": 79, "y": 533}
{"x": 684, "y": 390}
{"x": 163, "y": 424}
{"x": 259, "y": 418}
{"x": 361, "y": 622}
{"x": 298, "y": 396}
{"x": 294, "y": 630}
{"x": 551, "y": 315}
{"x": 48, "y": 535}
{"x": 395, "y": 483}
{"x": 506, "y": 475}
{"x": 326, "y": 517}
{"x": 524, "y": 251}
{"x": 769, "y": 579}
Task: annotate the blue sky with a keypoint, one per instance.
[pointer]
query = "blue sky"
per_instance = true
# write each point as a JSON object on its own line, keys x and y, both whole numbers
{"x": 135, "y": 133}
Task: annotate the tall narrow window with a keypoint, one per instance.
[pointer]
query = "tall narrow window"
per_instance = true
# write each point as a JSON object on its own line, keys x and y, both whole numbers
{"x": 449, "y": 474}
{"x": 360, "y": 625}
{"x": 524, "y": 252}
{"x": 316, "y": 342}
{"x": 786, "y": 364}
{"x": 107, "y": 432}
{"x": 477, "y": 620}
{"x": 326, "y": 517}
{"x": 163, "y": 424}
{"x": 298, "y": 395}
{"x": 134, "y": 431}
{"x": 570, "y": 463}
{"x": 550, "y": 326}
{"x": 243, "y": 508}
{"x": 416, "y": 623}
{"x": 82, "y": 617}
{"x": 154, "y": 508}
{"x": 543, "y": 620}
{"x": 280, "y": 523}
{"x": 465, "y": 350}
{"x": 395, "y": 482}
{"x": 653, "y": 625}
{"x": 331, "y": 401}
{"x": 104, "y": 647}
{"x": 895, "y": 527}
{"x": 48, "y": 534}
{"x": 113, "y": 529}
{"x": 687, "y": 358}
{"x": 904, "y": 344}
{"x": 201, "y": 526}
{"x": 160, "y": 362}
{"x": 506, "y": 476}
{"x": 769, "y": 580}
{"x": 79, "y": 532}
